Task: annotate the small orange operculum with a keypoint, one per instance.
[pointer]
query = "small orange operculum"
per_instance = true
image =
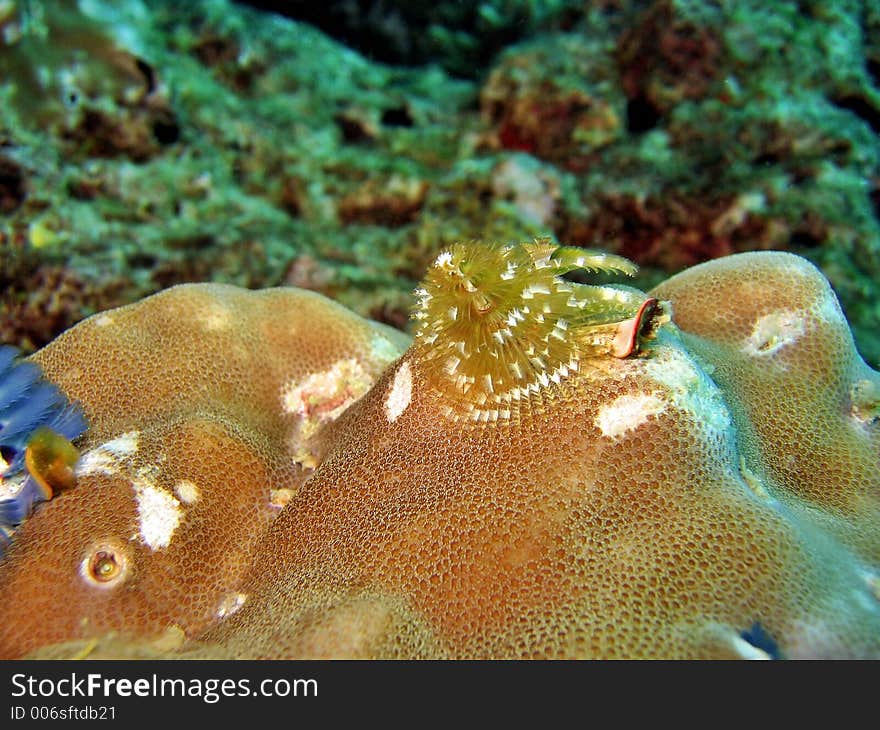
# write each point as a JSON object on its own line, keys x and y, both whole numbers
{"x": 50, "y": 459}
{"x": 626, "y": 341}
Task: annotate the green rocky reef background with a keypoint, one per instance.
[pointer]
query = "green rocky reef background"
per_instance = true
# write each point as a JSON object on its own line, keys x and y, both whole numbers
{"x": 144, "y": 144}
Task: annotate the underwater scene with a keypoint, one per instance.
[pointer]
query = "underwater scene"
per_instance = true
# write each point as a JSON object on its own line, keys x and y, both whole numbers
{"x": 454, "y": 330}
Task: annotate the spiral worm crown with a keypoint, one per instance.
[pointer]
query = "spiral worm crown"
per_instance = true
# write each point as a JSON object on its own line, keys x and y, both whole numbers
{"x": 499, "y": 325}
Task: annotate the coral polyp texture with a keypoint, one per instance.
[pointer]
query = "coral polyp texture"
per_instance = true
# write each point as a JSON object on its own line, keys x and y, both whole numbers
{"x": 206, "y": 407}
{"x": 806, "y": 407}
{"x": 708, "y": 489}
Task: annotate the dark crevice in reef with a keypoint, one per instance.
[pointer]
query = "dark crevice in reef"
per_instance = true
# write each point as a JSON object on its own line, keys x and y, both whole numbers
{"x": 397, "y": 117}
{"x": 463, "y": 38}
{"x": 804, "y": 241}
{"x": 873, "y": 67}
{"x": 875, "y": 198}
{"x": 641, "y": 115}
{"x": 166, "y": 130}
{"x": 861, "y": 107}
{"x": 12, "y": 185}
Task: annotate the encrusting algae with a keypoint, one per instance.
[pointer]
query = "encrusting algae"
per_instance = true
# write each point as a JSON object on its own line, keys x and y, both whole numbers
{"x": 549, "y": 470}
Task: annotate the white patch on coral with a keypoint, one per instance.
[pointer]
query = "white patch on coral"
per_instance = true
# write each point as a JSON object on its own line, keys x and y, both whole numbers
{"x": 400, "y": 394}
{"x": 96, "y": 461}
{"x": 628, "y": 412}
{"x": 278, "y": 498}
{"x": 814, "y": 637}
{"x": 107, "y": 458}
{"x": 774, "y": 331}
{"x": 324, "y": 395}
{"x": 690, "y": 389}
{"x": 215, "y": 317}
{"x": 520, "y": 177}
{"x": 102, "y": 320}
{"x": 230, "y": 604}
{"x": 753, "y": 481}
{"x": 186, "y": 491}
{"x": 124, "y": 445}
{"x": 159, "y": 514}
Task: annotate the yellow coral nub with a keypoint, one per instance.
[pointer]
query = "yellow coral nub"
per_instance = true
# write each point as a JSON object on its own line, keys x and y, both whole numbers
{"x": 499, "y": 325}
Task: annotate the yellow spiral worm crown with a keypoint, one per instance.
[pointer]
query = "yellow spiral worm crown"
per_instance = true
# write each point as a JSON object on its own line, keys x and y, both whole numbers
{"x": 498, "y": 325}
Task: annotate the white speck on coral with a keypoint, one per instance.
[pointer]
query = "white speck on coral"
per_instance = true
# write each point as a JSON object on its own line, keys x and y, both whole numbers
{"x": 753, "y": 481}
{"x": 323, "y": 396}
{"x": 102, "y": 320}
{"x": 230, "y": 604}
{"x": 124, "y": 445}
{"x": 628, "y": 412}
{"x": 186, "y": 491}
{"x": 216, "y": 317}
{"x": 774, "y": 331}
{"x": 159, "y": 514}
{"x": 400, "y": 394}
{"x": 278, "y": 498}
{"x": 873, "y": 582}
{"x": 107, "y": 458}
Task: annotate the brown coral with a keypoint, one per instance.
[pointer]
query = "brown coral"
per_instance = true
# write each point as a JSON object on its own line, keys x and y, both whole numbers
{"x": 206, "y": 406}
{"x": 675, "y": 230}
{"x": 713, "y": 495}
{"x": 634, "y": 517}
{"x": 805, "y": 402}
{"x": 393, "y": 202}
{"x": 555, "y": 102}
{"x": 664, "y": 59}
